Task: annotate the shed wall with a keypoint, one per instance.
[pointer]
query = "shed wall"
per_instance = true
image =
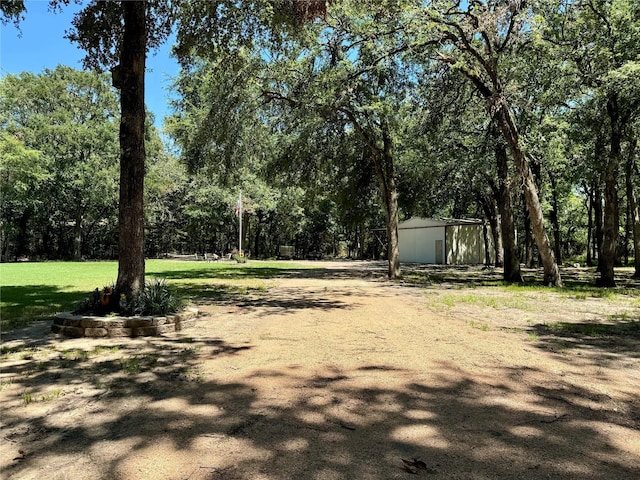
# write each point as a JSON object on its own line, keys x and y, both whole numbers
{"x": 465, "y": 245}
{"x": 418, "y": 245}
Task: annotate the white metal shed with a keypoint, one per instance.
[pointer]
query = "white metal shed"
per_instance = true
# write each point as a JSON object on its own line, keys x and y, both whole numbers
{"x": 442, "y": 241}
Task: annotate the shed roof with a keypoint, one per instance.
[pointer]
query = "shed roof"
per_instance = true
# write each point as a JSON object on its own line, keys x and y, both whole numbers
{"x": 419, "y": 222}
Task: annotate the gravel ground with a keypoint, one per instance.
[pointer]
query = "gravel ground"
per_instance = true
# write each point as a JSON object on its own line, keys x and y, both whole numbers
{"x": 337, "y": 374}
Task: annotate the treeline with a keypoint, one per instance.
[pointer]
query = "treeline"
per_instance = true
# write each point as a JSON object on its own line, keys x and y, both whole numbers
{"x": 358, "y": 114}
{"x": 59, "y": 174}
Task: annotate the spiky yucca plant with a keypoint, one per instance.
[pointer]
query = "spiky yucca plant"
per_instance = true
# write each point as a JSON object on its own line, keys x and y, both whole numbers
{"x": 157, "y": 298}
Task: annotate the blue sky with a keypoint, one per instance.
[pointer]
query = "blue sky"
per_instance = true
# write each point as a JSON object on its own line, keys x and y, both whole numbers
{"x": 43, "y": 45}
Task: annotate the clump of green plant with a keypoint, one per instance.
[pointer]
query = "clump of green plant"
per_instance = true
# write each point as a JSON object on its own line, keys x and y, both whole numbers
{"x": 100, "y": 302}
{"x": 130, "y": 365}
{"x": 480, "y": 326}
{"x": 156, "y": 298}
{"x": 4, "y": 383}
{"x": 51, "y": 396}
{"x": 27, "y": 398}
{"x": 239, "y": 257}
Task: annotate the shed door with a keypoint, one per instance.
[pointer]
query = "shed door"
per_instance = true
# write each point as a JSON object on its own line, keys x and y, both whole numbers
{"x": 439, "y": 252}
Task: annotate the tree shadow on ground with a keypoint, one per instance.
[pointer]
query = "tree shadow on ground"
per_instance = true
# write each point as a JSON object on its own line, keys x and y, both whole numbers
{"x": 21, "y": 305}
{"x": 251, "y": 299}
{"x": 284, "y": 299}
{"x": 581, "y": 279}
{"x": 350, "y": 270}
{"x": 612, "y": 340}
{"x": 335, "y": 427}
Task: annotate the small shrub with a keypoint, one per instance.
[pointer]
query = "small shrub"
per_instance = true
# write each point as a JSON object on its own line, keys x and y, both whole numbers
{"x": 157, "y": 298}
{"x": 101, "y": 302}
{"x": 130, "y": 365}
{"x": 239, "y": 257}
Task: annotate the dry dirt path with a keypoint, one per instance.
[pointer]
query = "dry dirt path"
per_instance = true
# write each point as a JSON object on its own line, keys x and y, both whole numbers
{"x": 333, "y": 374}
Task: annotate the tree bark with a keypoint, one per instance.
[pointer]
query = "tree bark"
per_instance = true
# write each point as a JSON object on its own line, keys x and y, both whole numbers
{"x": 611, "y": 225}
{"x": 383, "y": 162}
{"x": 22, "y": 238}
{"x": 633, "y": 206}
{"x": 589, "y": 193}
{"x": 496, "y": 231}
{"x": 507, "y": 126}
{"x": 597, "y": 215}
{"x": 489, "y": 205}
{"x": 386, "y": 176}
{"x": 502, "y": 193}
{"x": 132, "y": 150}
{"x": 553, "y": 217}
{"x": 77, "y": 235}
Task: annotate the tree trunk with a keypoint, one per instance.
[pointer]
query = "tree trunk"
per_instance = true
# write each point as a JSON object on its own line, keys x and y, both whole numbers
{"x": 557, "y": 245}
{"x": 256, "y": 247}
{"x": 502, "y": 194}
{"x": 77, "y": 236}
{"x": 383, "y": 162}
{"x": 132, "y": 150}
{"x": 489, "y": 205}
{"x": 507, "y": 126}
{"x": 597, "y": 214}
{"x": 386, "y": 175}
{"x": 496, "y": 231}
{"x": 611, "y": 209}
{"x": 485, "y": 238}
{"x": 589, "y": 193}
{"x": 22, "y": 239}
{"x": 634, "y": 207}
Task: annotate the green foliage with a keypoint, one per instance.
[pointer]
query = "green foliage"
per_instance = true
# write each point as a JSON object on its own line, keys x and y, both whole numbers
{"x": 239, "y": 258}
{"x": 130, "y": 365}
{"x": 60, "y": 144}
{"x": 100, "y": 302}
{"x": 156, "y": 298}
{"x": 292, "y": 107}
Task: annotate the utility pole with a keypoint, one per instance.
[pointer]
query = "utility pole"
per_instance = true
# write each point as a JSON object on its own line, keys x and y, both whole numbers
{"x": 239, "y": 211}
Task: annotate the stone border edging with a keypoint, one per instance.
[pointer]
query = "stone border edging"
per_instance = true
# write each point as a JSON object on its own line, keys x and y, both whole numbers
{"x": 77, "y": 326}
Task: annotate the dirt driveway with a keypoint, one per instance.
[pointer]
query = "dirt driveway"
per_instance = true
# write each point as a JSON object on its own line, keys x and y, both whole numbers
{"x": 336, "y": 374}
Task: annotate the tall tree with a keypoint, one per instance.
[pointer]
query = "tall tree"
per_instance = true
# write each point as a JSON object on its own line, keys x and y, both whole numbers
{"x": 598, "y": 40}
{"x": 351, "y": 73}
{"x": 71, "y": 118}
{"x": 117, "y": 35}
{"x": 478, "y": 40}
{"x": 129, "y": 78}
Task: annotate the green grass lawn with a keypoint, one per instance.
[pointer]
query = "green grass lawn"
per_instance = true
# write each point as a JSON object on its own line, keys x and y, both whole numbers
{"x": 33, "y": 291}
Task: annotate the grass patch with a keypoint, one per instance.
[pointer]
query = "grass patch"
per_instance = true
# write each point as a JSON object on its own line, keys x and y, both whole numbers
{"x": 51, "y": 396}
{"x": 75, "y": 354}
{"x": 619, "y": 328}
{"x": 5, "y": 383}
{"x": 27, "y": 398}
{"x": 130, "y": 365}
{"x": 479, "y": 325}
{"x": 35, "y": 291}
{"x": 489, "y": 300}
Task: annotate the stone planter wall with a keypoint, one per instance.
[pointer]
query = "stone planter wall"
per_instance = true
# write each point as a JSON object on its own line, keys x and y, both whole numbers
{"x": 77, "y": 326}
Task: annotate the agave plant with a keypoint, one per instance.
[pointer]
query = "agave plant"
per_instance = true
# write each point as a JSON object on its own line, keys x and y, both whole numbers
{"x": 157, "y": 298}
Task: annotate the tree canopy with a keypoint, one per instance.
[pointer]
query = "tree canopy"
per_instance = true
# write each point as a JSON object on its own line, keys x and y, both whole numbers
{"x": 336, "y": 119}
